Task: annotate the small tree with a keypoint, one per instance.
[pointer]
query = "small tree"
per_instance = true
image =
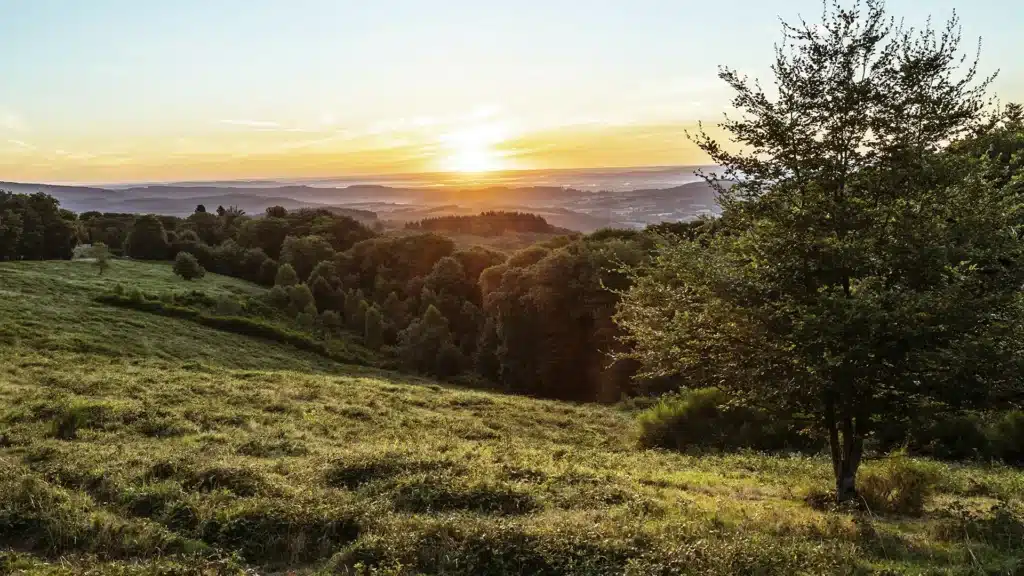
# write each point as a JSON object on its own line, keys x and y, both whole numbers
{"x": 286, "y": 276}
{"x": 373, "y": 334}
{"x": 331, "y": 322}
{"x": 186, "y": 266}
{"x": 862, "y": 268}
{"x": 268, "y": 272}
{"x": 101, "y": 255}
{"x": 301, "y": 298}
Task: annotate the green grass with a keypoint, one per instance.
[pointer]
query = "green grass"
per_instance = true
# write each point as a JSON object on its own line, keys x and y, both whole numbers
{"x": 140, "y": 444}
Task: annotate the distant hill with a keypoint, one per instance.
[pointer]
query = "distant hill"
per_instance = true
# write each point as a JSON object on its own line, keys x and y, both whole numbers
{"x": 583, "y": 211}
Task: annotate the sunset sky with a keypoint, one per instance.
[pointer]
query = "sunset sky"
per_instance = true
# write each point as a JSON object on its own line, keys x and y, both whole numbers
{"x": 131, "y": 90}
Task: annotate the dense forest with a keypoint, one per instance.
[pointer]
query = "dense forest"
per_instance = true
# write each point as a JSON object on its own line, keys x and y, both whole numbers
{"x": 538, "y": 321}
{"x": 491, "y": 223}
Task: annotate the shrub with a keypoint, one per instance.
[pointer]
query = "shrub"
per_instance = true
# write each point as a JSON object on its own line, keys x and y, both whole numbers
{"x": 703, "y": 418}
{"x": 228, "y": 306}
{"x": 897, "y": 485}
{"x": 956, "y": 437}
{"x": 1006, "y": 437}
{"x": 134, "y": 294}
{"x": 186, "y": 266}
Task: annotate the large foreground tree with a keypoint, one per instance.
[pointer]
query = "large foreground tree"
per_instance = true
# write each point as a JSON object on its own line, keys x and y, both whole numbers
{"x": 863, "y": 266}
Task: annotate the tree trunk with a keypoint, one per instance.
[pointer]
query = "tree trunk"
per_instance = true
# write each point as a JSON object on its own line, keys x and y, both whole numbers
{"x": 846, "y": 449}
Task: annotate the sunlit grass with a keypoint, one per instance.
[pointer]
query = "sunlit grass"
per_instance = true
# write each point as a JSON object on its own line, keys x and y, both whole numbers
{"x": 135, "y": 443}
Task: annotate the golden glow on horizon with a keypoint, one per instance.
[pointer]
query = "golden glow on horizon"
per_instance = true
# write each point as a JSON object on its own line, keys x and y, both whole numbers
{"x": 473, "y": 150}
{"x": 471, "y": 144}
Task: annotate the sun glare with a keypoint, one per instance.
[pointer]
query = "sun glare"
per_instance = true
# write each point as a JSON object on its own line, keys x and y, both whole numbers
{"x": 473, "y": 150}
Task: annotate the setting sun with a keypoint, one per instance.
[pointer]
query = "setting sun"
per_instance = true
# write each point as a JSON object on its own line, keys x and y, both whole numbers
{"x": 473, "y": 150}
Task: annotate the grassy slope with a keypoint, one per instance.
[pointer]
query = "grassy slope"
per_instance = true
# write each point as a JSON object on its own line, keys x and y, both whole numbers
{"x": 136, "y": 443}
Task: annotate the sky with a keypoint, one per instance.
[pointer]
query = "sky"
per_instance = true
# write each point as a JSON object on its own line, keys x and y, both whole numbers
{"x": 130, "y": 91}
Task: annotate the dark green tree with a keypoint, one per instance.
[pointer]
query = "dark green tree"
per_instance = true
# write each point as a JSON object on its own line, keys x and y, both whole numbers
{"x": 305, "y": 253}
{"x": 373, "y": 333}
{"x": 286, "y": 276}
{"x": 147, "y": 239}
{"x": 421, "y": 344}
{"x": 186, "y": 266}
{"x": 862, "y": 268}
{"x": 301, "y": 298}
{"x": 268, "y": 272}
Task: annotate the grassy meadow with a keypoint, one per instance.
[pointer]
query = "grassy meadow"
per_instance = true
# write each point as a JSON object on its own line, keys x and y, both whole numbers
{"x": 132, "y": 443}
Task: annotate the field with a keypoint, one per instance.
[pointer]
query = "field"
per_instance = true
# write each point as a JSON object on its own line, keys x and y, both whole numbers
{"x": 139, "y": 444}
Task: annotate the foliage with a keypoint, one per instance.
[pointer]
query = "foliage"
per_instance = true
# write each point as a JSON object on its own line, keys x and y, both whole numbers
{"x": 101, "y": 256}
{"x": 147, "y": 239}
{"x": 897, "y": 485}
{"x": 704, "y": 419}
{"x": 239, "y": 325}
{"x": 555, "y": 336}
{"x": 286, "y": 276}
{"x": 862, "y": 267}
{"x": 373, "y": 334}
{"x": 33, "y": 227}
{"x": 1006, "y": 437}
{"x": 186, "y": 266}
{"x": 425, "y": 346}
{"x": 493, "y": 223}
{"x": 304, "y": 253}
{"x": 301, "y": 298}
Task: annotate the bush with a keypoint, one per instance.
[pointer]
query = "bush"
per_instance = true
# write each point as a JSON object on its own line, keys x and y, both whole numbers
{"x": 703, "y": 418}
{"x": 1006, "y": 437}
{"x": 246, "y": 326}
{"x": 228, "y": 306}
{"x": 186, "y": 266}
{"x": 897, "y": 485}
{"x": 956, "y": 437}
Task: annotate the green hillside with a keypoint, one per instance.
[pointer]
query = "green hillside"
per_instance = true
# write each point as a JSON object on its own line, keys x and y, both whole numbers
{"x": 136, "y": 444}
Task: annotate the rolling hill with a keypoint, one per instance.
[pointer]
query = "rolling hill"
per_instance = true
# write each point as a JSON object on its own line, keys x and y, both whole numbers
{"x": 582, "y": 211}
{"x": 138, "y": 444}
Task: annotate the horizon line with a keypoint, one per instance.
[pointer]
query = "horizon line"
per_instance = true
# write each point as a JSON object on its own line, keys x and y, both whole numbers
{"x": 472, "y": 179}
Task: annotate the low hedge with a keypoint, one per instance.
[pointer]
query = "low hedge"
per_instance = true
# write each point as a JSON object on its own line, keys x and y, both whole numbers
{"x": 236, "y": 324}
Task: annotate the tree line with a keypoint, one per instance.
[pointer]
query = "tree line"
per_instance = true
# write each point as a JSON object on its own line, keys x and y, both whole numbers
{"x": 536, "y": 322}
{"x": 492, "y": 223}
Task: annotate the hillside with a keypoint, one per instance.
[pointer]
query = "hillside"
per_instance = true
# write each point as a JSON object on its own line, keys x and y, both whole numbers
{"x": 139, "y": 444}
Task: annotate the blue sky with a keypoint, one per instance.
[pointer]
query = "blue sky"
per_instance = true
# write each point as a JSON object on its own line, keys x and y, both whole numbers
{"x": 102, "y": 87}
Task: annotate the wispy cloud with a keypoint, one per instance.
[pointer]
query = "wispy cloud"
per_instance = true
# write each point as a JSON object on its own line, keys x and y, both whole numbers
{"x": 252, "y": 123}
{"x": 266, "y": 126}
{"x": 21, "y": 144}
